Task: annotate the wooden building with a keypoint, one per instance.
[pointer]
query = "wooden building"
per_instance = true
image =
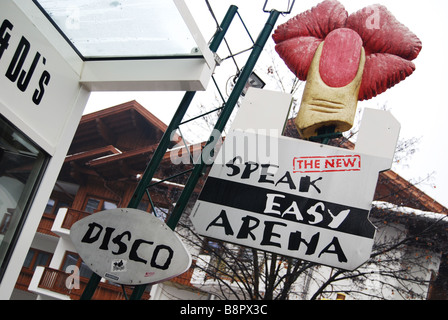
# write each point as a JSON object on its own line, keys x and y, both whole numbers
{"x": 109, "y": 152}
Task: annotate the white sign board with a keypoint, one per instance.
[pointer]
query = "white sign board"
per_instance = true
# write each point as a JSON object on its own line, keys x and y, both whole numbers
{"x": 38, "y": 86}
{"x": 309, "y": 201}
{"x": 129, "y": 246}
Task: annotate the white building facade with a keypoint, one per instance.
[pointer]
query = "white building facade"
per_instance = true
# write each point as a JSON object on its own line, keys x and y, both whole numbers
{"x": 52, "y": 55}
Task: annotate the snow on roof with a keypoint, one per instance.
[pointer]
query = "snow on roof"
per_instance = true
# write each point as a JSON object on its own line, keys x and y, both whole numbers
{"x": 410, "y": 211}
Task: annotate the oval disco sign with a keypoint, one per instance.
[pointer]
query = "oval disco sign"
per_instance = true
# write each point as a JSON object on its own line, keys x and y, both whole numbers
{"x": 129, "y": 246}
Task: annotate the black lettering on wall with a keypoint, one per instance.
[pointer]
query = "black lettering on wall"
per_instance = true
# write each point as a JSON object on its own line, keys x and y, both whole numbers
{"x": 25, "y": 77}
{"x": 16, "y": 72}
{"x": 4, "y": 36}
{"x": 39, "y": 93}
{"x": 18, "y": 60}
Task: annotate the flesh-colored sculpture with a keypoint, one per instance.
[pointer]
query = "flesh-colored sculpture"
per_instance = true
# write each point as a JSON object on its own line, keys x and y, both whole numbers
{"x": 344, "y": 59}
{"x": 334, "y": 78}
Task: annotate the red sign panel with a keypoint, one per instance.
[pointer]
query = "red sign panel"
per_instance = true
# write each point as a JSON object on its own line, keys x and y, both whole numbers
{"x": 327, "y": 164}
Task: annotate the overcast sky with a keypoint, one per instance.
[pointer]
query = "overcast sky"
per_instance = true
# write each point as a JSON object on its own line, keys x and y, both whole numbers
{"x": 418, "y": 103}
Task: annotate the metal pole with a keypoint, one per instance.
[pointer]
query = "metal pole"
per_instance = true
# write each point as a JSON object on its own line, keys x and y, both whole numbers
{"x": 163, "y": 146}
{"x": 220, "y": 124}
{"x": 177, "y": 118}
{"x": 224, "y": 117}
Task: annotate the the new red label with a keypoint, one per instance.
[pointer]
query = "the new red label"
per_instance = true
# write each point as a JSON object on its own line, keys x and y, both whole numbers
{"x": 327, "y": 164}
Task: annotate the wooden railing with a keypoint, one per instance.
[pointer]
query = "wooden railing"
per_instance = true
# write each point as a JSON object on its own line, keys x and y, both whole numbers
{"x": 72, "y": 215}
{"x": 56, "y": 281}
{"x": 24, "y": 279}
{"x": 45, "y": 224}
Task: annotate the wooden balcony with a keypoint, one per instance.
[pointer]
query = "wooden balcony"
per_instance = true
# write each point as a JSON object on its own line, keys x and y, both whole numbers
{"x": 72, "y": 216}
{"x": 45, "y": 224}
{"x": 24, "y": 279}
{"x": 55, "y": 281}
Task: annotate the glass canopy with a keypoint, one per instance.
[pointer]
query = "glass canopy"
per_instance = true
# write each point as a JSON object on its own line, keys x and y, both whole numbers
{"x": 121, "y": 28}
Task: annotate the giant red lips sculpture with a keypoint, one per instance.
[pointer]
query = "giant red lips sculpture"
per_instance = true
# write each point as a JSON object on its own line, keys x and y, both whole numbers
{"x": 343, "y": 59}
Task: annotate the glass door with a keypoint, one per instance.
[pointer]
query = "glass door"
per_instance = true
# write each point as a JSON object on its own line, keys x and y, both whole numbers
{"x": 22, "y": 164}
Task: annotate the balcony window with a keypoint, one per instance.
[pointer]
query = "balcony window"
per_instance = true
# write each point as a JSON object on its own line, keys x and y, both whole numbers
{"x": 22, "y": 164}
{"x": 36, "y": 258}
{"x": 73, "y": 259}
{"x": 53, "y": 205}
{"x": 93, "y": 205}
